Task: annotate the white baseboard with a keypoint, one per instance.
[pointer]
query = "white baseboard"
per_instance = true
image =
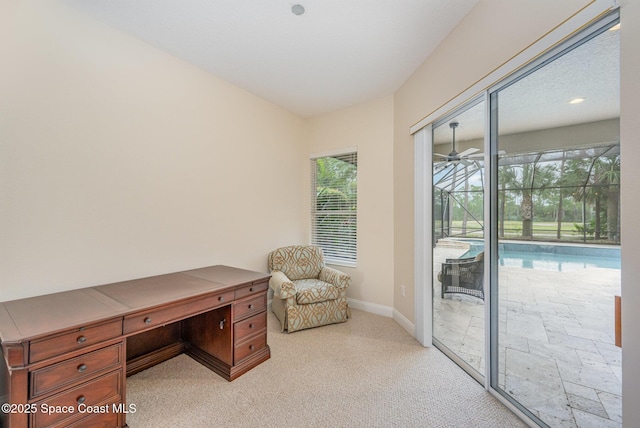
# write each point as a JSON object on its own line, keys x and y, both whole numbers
{"x": 404, "y": 323}
{"x": 385, "y": 311}
{"x": 374, "y": 308}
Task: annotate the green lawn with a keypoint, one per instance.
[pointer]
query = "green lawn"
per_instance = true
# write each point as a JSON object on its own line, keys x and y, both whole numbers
{"x": 513, "y": 229}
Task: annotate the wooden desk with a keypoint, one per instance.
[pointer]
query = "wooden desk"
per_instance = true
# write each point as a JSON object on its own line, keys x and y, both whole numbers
{"x": 66, "y": 355}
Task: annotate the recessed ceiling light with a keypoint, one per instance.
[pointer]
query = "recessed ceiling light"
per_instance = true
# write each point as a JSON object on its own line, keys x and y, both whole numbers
{"x": 576, "y": 101}
{"x": 297, "y": 9}
{"x": 615, "y": 27}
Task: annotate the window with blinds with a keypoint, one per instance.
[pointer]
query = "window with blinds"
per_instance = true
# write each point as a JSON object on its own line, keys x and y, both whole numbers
{"x": 334, "y": 203}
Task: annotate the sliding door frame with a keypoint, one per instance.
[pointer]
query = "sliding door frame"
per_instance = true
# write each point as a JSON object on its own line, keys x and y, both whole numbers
{"x": 470, "y": 104}
{"x": 597, "y": 14}
{"x": 589, "y": 32}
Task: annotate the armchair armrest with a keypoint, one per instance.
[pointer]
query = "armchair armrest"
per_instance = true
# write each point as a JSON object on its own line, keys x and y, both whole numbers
{"x": 282, "y": 287}
{"x": 335, "y": 277}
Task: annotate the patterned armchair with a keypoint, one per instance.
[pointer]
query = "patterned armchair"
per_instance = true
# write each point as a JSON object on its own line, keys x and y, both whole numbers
{"x": 306, "y": 293}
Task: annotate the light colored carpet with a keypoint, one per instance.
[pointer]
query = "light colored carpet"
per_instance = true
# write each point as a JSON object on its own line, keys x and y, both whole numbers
{"x": 367, "y": 372}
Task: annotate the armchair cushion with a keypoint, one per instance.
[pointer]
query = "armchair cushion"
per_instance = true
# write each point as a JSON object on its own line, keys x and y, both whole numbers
{"x": 315, "y": 291}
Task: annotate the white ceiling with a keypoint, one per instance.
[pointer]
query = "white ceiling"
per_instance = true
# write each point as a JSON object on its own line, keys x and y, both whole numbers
{"x": 338, "y": 53}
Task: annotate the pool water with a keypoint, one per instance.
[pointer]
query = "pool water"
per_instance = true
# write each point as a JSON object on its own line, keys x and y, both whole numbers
{"x": 556, "y": 262}
{"x": 559, "y": 258}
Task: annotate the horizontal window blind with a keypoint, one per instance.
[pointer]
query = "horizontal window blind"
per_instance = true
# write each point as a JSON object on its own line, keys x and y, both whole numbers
{"x": 334, "y": 203}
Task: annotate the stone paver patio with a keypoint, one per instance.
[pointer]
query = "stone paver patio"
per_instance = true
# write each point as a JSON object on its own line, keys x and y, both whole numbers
{"x": 556, "y": 340}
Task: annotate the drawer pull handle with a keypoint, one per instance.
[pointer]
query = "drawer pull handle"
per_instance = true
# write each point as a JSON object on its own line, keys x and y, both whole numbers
{"x": 82, "y": 339}
{"x": 221, "y": 298}
{"x": 250, "y": 306}
{"x": 251, "y": 290}
{"x": 81, "y": 399}
{"x": 82, "y": 367}
{"x": 251, "y": 347}
{"x": 222, "y": 324}
{"x": 147, "y": 320}
{"x": 250, "y": 325}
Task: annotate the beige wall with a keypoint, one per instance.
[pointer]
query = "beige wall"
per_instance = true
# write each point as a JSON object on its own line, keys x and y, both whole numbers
{"x": 369, "y": 127}
{"x": 118, "y": 161}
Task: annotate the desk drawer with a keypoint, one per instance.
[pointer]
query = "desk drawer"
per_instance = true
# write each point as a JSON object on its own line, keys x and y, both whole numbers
{"x": 99, "y": 420}
{"x": 76, "y": 339}
{"x": 162, "y": 316}
{"x": 249, "y": 326}
{"x": 249, "y": 307}
{"x": 83, "y": 367}
{"x": 249, "y": 347}
{"x": 248, "y": 290}
{"x": 96, "y": 392}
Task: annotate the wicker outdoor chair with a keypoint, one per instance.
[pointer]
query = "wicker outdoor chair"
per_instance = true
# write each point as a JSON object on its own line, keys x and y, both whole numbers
{"x": 463, "y": 276}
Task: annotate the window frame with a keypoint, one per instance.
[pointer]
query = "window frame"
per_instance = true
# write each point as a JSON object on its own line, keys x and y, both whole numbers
{"x": 345, "y": 244}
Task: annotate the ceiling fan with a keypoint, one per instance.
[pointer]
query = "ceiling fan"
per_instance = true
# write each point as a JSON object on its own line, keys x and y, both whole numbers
{"x": 454, "y": 156}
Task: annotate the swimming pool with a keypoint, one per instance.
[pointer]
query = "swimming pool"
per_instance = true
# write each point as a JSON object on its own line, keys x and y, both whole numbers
{"x": 559, "y": 258}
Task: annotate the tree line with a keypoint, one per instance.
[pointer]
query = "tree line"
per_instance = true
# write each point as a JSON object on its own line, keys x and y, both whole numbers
{"x": 550, "y": 188}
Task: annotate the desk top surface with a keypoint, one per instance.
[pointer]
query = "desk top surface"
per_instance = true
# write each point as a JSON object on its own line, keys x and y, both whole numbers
{"x": 36, "y": 316}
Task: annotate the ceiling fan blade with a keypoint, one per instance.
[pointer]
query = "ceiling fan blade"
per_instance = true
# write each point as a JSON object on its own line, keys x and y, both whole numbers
{"x": 469, "y": 151}
{"x": 481, "y": 155}
{"x": 437, "y": 167}
{"x": 440, "y": 155}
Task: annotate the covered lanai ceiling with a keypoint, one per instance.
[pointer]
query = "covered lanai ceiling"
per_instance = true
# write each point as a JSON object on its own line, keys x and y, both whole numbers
{"x": 581, "y": 86}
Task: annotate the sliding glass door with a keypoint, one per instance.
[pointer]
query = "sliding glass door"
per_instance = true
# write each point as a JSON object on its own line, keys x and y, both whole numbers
{"x": 556, "y": 235}
{"x": 458, "y": 237}
{"x": 526, "y": 239}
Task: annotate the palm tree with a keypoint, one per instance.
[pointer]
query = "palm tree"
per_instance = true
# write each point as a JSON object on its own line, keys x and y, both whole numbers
{"x": 577, "y": 177}
{"x": 537, "y": 178}
{"x": 560, "y": 215}
{"x": 507, "y": 178}
{"x": 588, "y": 191}
{"x": 608, "y": 176}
